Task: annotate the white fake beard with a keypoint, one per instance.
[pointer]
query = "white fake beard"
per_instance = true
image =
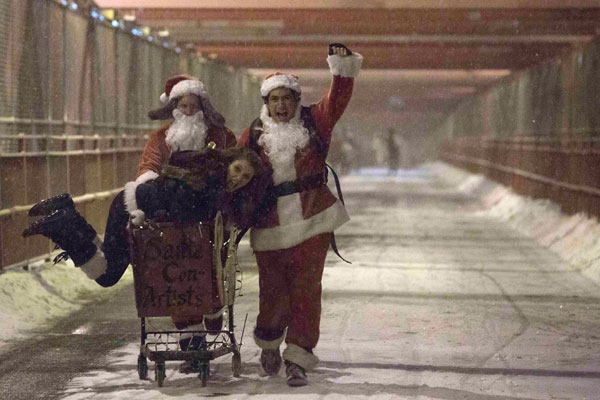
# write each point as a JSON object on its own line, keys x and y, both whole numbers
{"x": 280, "y": 142}
{"x": 187, "y": 132}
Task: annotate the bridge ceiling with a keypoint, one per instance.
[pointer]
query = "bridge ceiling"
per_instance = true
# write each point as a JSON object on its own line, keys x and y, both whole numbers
{"x": 420, "y": 57}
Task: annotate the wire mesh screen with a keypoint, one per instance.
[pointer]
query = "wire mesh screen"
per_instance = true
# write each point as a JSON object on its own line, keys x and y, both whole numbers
{"x": 74, "y": 97}
{"x": 536, "y": 132}
{"x": 555, "y": 99}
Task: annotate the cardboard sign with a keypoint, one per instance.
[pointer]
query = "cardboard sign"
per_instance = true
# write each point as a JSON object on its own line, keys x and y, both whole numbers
{"x": 173, "y": 269}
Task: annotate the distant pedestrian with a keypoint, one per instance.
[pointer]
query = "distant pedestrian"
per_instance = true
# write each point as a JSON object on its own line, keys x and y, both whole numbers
{"x": 393, "y": 150}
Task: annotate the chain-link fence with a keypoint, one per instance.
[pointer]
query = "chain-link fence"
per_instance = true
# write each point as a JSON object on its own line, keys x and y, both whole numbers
{"x": 538, "y": 131}
{"x": 74, "y": 94}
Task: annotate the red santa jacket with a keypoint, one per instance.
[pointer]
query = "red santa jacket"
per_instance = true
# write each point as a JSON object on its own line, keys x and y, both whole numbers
{"x": 299, "y": 216}
{"x": 156, "y": 154}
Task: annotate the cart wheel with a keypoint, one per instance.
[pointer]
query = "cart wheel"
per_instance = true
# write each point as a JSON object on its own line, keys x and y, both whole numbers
{"x": 236, "y": 364}
{"x": 159, "y": 373}
{"x": 142, "y": 367}
{"x": 204, "y": 373}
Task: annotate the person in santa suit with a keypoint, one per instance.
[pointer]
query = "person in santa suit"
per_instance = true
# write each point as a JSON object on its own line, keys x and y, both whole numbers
{"x": 195, "y": 125}
{"x": 291, "y": 237}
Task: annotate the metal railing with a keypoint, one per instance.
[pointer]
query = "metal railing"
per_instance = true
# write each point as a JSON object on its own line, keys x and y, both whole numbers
{"x": 564, "y": 171}
{"x": 74, "y": 96}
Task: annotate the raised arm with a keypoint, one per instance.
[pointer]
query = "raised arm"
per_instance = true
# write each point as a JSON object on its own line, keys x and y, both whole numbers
{"x": 344, "y": 66}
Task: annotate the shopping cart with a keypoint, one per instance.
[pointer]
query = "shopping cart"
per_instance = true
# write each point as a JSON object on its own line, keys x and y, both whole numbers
{"x": 179, "y": 269}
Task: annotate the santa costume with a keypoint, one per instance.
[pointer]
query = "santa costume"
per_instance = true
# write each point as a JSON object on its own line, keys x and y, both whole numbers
{"x": 106, "y": 260}
{"x": 175, "y": 136}
{"x": 291, "y": 239}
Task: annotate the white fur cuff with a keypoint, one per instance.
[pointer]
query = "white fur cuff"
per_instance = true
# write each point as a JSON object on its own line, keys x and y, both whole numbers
{"x": 130, "y": 187}
{"x": 137, "y": 217}
{"x": 298, "y": 355}
{"x": 347, "y": 67}
{"x": 95, "y": 267}
{"x": 215, "y": 315}
{"x": 269, "y": 344}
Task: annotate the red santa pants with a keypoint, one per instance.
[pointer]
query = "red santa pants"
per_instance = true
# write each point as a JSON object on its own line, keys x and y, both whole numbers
{"x": 290, "y": 289}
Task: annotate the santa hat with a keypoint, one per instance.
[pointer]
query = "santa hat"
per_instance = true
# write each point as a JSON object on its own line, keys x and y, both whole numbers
{"x": 181, "y": 85}
{"x": 279, "y": 80}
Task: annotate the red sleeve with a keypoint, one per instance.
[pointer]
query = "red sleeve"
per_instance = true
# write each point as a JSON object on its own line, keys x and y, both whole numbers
{"x": 244, "y": 139}
{"x": 330, "y": 108}
{"x": 156, "y": 153}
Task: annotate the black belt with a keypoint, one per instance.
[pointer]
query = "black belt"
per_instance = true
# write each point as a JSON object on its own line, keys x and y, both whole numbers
{"x": 290, "y": 187}
{"x": 299, "y": 185}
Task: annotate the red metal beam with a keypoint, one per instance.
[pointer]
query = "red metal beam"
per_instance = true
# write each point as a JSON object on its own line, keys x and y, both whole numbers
{"x": 384, "y": 55}
{"x": 517, "y": 21}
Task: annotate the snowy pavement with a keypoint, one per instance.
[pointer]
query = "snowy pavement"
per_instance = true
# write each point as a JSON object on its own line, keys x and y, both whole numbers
{"x": 458, "y": 289}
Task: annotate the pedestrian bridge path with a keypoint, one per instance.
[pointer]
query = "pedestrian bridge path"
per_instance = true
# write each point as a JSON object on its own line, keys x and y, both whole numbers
{"x": 456, "y": 291}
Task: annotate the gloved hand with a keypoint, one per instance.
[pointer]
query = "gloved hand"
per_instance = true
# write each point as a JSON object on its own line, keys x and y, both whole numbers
{"x": 137, "y": 217}
{"x": 339, "y": 49}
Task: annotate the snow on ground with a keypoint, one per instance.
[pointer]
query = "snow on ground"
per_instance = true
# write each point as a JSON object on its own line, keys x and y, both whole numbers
{"x": 575, "y": 238}
{"x": 29, "y": 299}
{"x": 32, "y": 298}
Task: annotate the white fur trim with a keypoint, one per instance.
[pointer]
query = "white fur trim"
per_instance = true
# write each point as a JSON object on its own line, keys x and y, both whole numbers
{"x": 269, "y": 344}
{"x": 215, "y": 315}
{"x": 289, "y": 208}
{"x": 96, "y": 266}
{"x": 163, "y": 98}
{"x": 286, "y": 236}
{"x": 348, "y": 67}
{"x": 188, "y": 86}
{"x": 298, "y": 355}
{"x": 130, "y": 187}
{"x": 277, "y": 81}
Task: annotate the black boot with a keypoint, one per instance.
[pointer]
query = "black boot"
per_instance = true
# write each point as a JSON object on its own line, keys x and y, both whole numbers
{"x": 70, "y": 231}
{"x": 51, "y": 204}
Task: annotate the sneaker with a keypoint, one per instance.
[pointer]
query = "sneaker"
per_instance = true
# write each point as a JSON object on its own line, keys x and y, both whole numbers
{"x": 195, "y": 342}
{"x": 189, "y": 367}
{"x": 186, "y": 368}
{"x": 270, "y": 359}
{"x": 295, "y": 375}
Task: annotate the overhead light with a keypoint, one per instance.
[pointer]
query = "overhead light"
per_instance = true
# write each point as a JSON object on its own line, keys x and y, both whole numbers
{"x": 163, "y": 33}
{"x": 129, "y": 17}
